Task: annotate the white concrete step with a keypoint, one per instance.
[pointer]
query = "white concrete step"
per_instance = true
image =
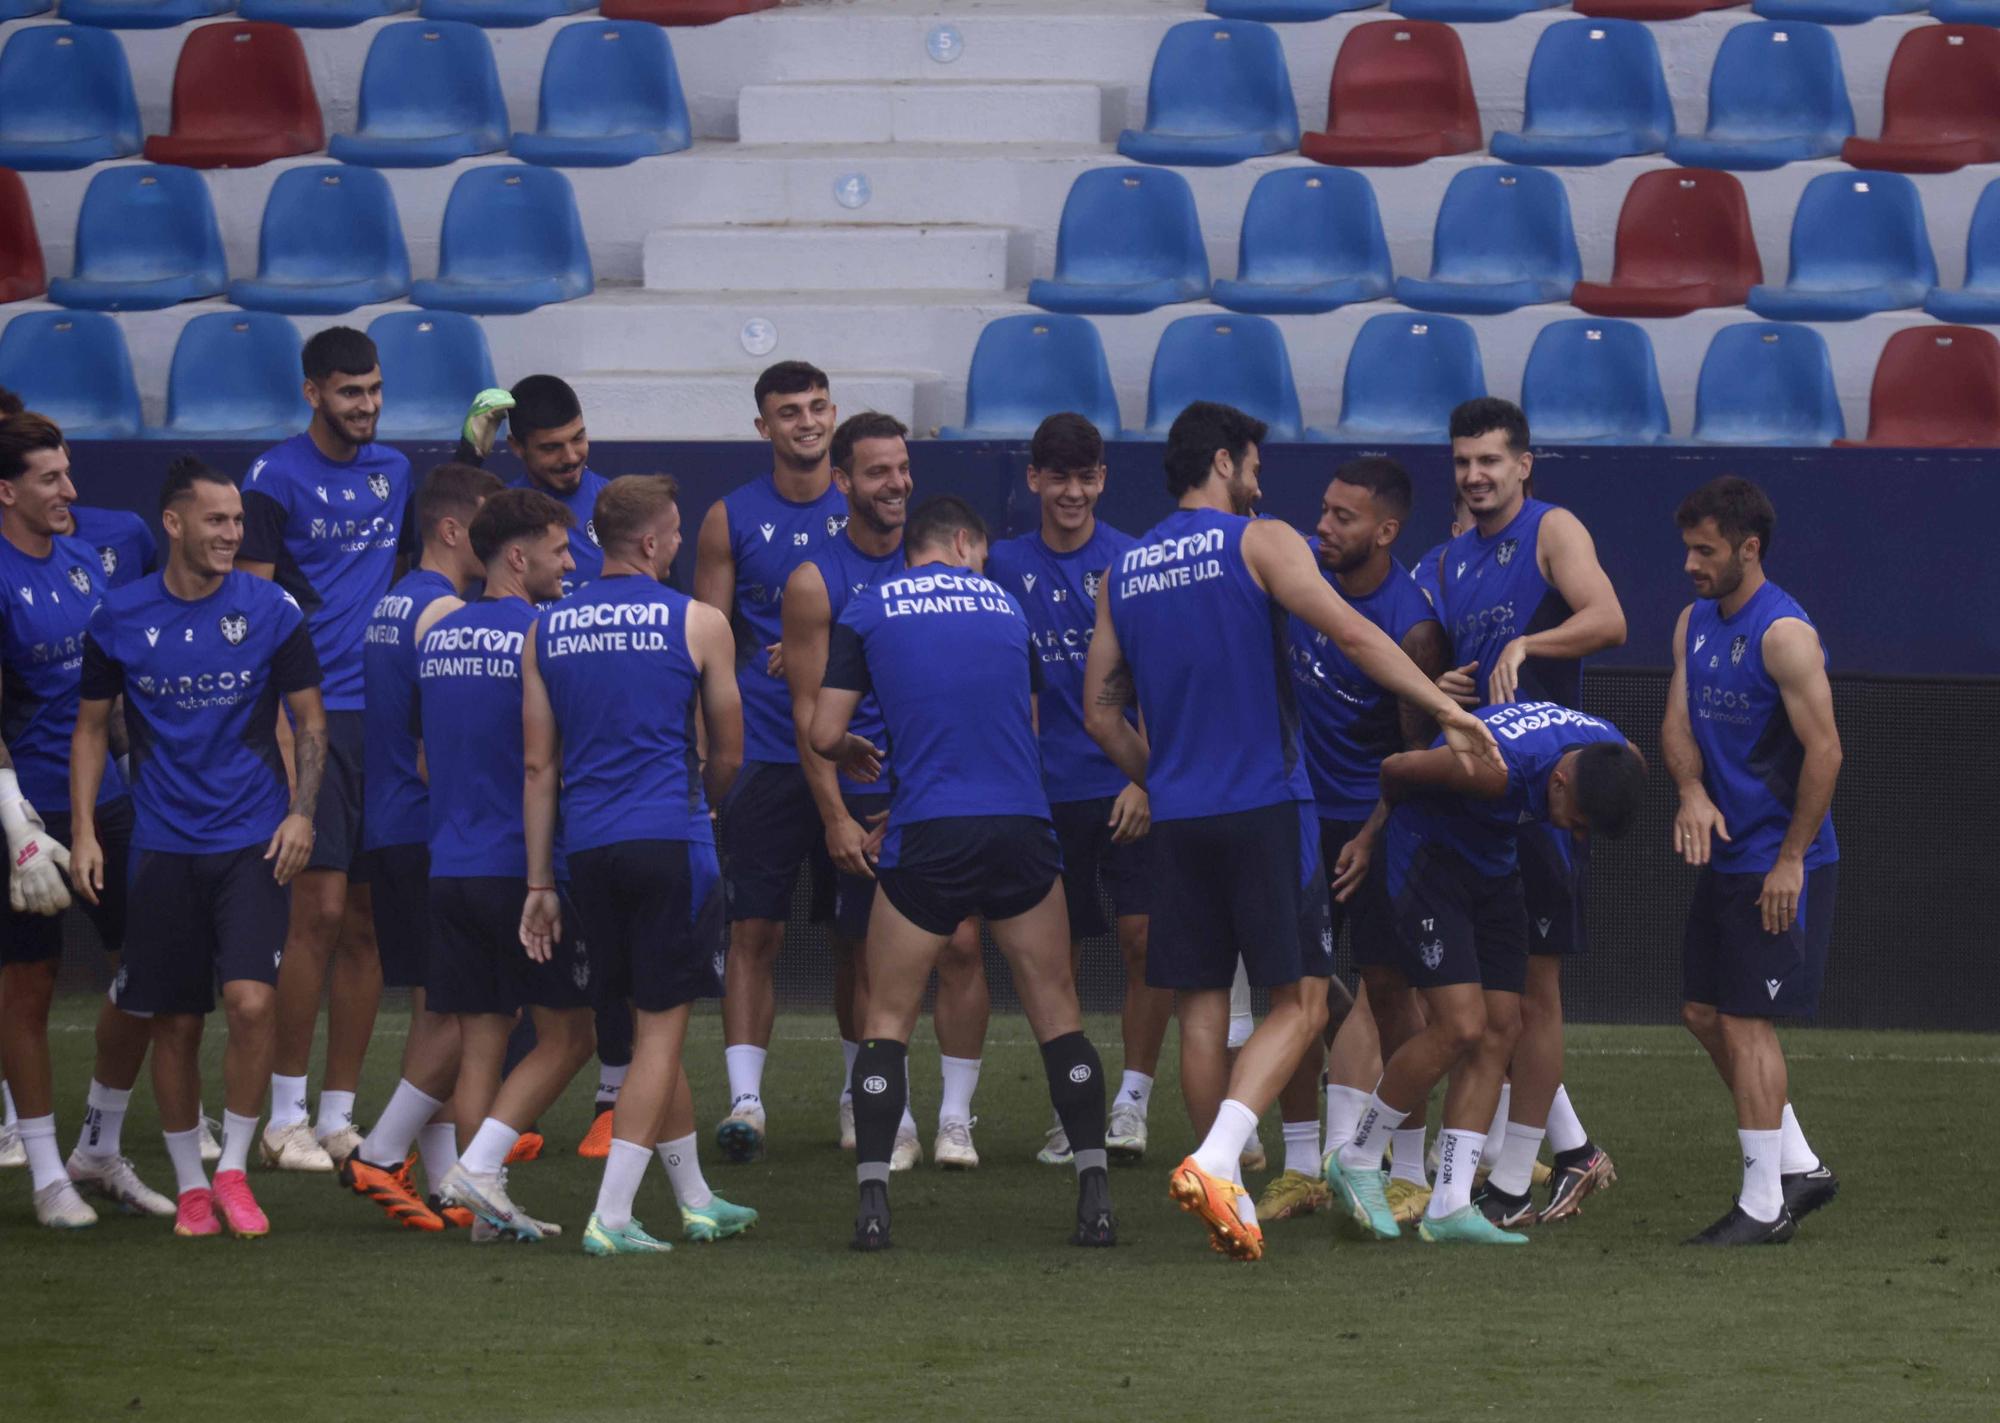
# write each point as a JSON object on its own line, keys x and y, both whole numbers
{"x": 921, "y": 113}
{"x": 711, "y": 405}
{"x": 826, "y": 258}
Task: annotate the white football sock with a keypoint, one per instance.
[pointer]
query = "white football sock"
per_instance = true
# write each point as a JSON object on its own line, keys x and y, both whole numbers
{"x": 746, "y": 1075}
{"x": 388, "y": 1141}
{"x": 1566, "y": 1131}
{"x": 437, "y": 1144}
{"x": 489, "y": 1148}
{"x": 1498, "y": 1129}
{"x": 624, "y": 1169}
{"x": 1371, "y": 1135}
{"x": 1344, "y": 1106}
{"x": 1514, "y": 1166}
{"x": 104, "y": 1120}
{"x": 1763, "y": 1193}
{"x": 684, "y": 1172}
{"x": 610, "y": 1080}
{"x": 1302, "y": 1147}
{"x": 7, "y": 1097}
{"x": 237, "y": 1134}
{"x": 1135, "y": 1088}
{"x": 38, "y": 1135}
{"x": 1406, "y": 1156}
{"x": 848, "y": 1052}
{"x": 184, "y": 1150}
{"x": 288, "y": 1100}
{"x": 1221, "y": 1151}
{"x": 336, "y": 1110}
{"x": 961, "y": 1080}
{"x": 1797, "y": 1154}
{"x": 1458, "y": 1160}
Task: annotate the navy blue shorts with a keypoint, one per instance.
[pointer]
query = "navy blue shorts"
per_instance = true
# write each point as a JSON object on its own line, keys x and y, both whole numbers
{"x": 1456, "y": 925}
{"x": 399, "y": 879}
{"x": 652, "y": 916}
{"x": 1555, "y": 879}
{"x": 940, "y": 872}
{"x": 1248, "y": 885}
{"x": 203, "y": 920}
{"x": 1371, "y": 929}
{"x": 476, "y": 962}
{"x": 1083, "y": 834}
{"x": 37, "y": 938}
{"x": 854, "y": 895}
{"x": 337, "y": 812}
{"x": 1729, "y": 961}
{"x": 769, "y": 826}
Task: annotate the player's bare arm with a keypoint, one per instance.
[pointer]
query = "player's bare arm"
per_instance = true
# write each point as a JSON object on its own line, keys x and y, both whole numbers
{"x": 714, "y": 649}
{"x": 1698, "y": 822}
{"x": 1796, "y": 662}
{"x": 1569, "y": 561}
{"x": 1107, "y": 691}
{"x": 292, "y": 843}
{"x": 808, "y": 623}
{"x": 1438, "y": 770}
{"x": 89, "y": 744}
{"x": 541, "y": 756}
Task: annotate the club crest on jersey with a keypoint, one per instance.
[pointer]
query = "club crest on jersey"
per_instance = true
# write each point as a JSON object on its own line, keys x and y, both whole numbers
{"x": 378, "y": 485}
{"x": 1504, "y": 555}
{"x": 835, "y": 523}
{"x": 1737, "y": 648}
{"x": 590, "y": 528}
{"x": 107, "y": 559}
{"x": 79, "y": 579}
{"x": 1090, "y": 585}
{"x": 235, "y": 627}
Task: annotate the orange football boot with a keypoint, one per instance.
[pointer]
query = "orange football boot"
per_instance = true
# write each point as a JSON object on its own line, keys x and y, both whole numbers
{"x": 1214, "y": 1200}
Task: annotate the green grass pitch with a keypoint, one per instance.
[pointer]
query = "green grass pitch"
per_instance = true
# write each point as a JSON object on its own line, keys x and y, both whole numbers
{"x": 1887, "y": 1306}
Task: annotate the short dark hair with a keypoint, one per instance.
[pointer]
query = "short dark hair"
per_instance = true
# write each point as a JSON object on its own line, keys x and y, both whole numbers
{"x": 934, "y": 521}
{"x": 1198, "y": 432}
{"x": 514, "y": 514}
{"x": 454, "y": 491}
{"x": 868, "y": 425}
{"x": 183, "y": 475}
{"x": 338, "y": 348}
{"x": 541, "y": 403}
{"x": 10, "y": 403}
{"x": 1738, "y": 507}
{"x": 1488, "y": 413}
{"x": 1066, "y": 441}
{"x": 788, "y": 378}
{"x": 1610, "y": 783}
{"x": 22, "y": 433}
{"x": 1385, "y": 480}
{"x": 628, "y": 504}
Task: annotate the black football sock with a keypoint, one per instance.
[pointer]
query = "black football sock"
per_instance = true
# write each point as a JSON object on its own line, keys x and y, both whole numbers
{"x": 881, "y": 1088}
{"x": 1076, "y": 1087}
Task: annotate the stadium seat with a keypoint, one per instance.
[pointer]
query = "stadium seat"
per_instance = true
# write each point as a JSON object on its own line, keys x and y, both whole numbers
{"x": 1767, "y": 384}
{"x": 1858, "y": 245}
{"x": 1405, "y": 374}
{"x": 1979, "y": 299}
{"x": 1400, "y": 94}
{"x": 330, "y": 241}
{"x": 1237, "y": 360}
{"x": 1936, "y": 387}
{"x": 1776, "y": 95}
{"x": 1595, "y": 92}
{"x": 1312, "y": 240}
{"x": 1684, "y": 242}
{"x": 1130, "y": 241}
{"x": 1468, "y": 12}
{"x": 1285, "y": 11}
{"x": 1649, "y": 9}
{"x": 610, "y": 94}
{"x": 1966, "y": 12}
{"x": 22, "y": 271}
{"x": 145, "y": 238}
{"x": 235, "y": 376}
{"x": 22, "y": 9}
{"x": 512, "y": 241}
{"x": 430, "y": 360}
{"x": 1835, "y": 12}
{"x": 683, "y": 12}
{"x": 429, "y": 95}
{"x": 1593, "y": 383}
{"x": 65, "y": 99}
{"x": 140, "y": 14}
{"x": 72, "y": 367}
{"x": 1503, "y": 239}
{"x": 242, "y": 96}
{"x": 501, "y": 14}
{"x": 1941, "y": 104}
{"x": 1026, "y": 368}
{"x": 1219, "y": 93}
{"x": 322, "y": 14}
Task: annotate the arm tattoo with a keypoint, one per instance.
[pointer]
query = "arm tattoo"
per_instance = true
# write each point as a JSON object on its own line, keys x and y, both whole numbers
{"x": 309, "y": 753}
{"x": 1117, "y": 690}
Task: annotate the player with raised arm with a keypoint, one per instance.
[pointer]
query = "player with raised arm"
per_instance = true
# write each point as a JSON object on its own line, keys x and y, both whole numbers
{"x": 1751, "y": 743}
{"x": 201, "y": 656}
{"x": 612, "y": 680}
{"x": 1194, "y": 628}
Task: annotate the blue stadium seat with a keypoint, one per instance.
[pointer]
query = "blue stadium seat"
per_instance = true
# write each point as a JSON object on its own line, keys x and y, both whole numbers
{"x": 1978, "y": 301}
{"x": 1503, "y": 239}
{"x": 1220, "y": 93}
{"x": 1766, "y": 383}
{"x": 610, "y": 94}
{"x": 1238, "y": 360}
{"x": 21, "y": 9}
{"x": 1404, "y": 376}
{"x": 1776, "y": 95}
{"x": 1835, "y": 12}
{"x": 1130, "y": 240}
{"x": 1594, "y": 382}
{"x": 429, "y": 95}
{"x": 502, "y": 14}
{"x": 145, "y": 238}
{"x": 1468, "y": 12}
{"x": 72, "y": 366}
{"x": 1312, "y": 240}
{"x": 1966, "y": 12}
{"x": 322, "y": 14}
{"x": 1858, "y": 245}
{"x": 139, "y": 14}
{"x": 512, "y": 241}
{"x": 432, "y": 363}
{"x": 1595, "y": 92}
{"x": 65, "y": 99}
{"x": 1026, "y": 368}
{"x": 1285, "y": 11}
{"x": 331, "y": 241}
{"x": 235, "y": 376}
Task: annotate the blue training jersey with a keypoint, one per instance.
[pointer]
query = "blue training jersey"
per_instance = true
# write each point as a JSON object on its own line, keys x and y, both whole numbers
{"x": 330, "y": 532}
{"x": 123, "y": 542}
{"x": 1206, "y": 647}
{"x": 769, "y": 537}
{"x": 1425, "y": 574}
{"x": 1349, "y": 723}
{"x": 1750, "y": 756}
{"x": 1492, "y": 591}
{"x": 625, "y": 691}
{"x": 848, "y": 571}
{"x": 201, "y": 682}
{"x": 1058, "y": 593}
{"x": 45, "y": 604}
{"x": 582, "y": 505}
{"x": 395, "y": 800}
{"x": 948, "y": 655}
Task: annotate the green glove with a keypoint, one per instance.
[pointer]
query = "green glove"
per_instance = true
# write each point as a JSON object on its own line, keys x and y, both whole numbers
{"x": 482, "y": 421}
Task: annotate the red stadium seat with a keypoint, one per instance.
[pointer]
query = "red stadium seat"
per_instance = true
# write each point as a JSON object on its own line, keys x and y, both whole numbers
{"x": 1941, "y": 105}
{"x": 1684, "y": 242}
{"x": 682, "y": 12}
{"x": 1937, "y": 387}
{"x": 1401, "y": 93}
{"x": 1649, "y": 9}
{"x": 242, "y": 96}
{"x": 22, "y": 274}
